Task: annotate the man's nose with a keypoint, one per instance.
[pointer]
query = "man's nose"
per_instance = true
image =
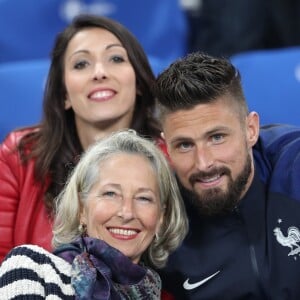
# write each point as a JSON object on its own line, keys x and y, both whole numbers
{"x": 203, "y": 158}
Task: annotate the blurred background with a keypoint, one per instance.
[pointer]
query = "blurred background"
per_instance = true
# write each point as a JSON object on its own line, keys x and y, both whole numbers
{"x": 261, "y": 37}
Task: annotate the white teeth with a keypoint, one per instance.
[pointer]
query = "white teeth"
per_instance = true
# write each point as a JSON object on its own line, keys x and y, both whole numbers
{"x": 211, "y": 179}
{"x": 122, "y": 231}
{"x": 102, "y": 94}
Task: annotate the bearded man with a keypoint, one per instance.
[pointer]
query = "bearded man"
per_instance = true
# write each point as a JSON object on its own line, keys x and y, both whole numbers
{"x": 240, "y": 183}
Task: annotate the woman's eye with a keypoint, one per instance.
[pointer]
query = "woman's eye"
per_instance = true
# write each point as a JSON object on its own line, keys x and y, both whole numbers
{"x": 80, "y": 65}
{"x": 117, "y": 59}
{"x": 144, "y": 199}
{"x": 109, "y": 194}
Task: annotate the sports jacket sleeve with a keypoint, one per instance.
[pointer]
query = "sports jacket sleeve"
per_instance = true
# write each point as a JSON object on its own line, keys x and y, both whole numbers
{"x": 277, "y": 155}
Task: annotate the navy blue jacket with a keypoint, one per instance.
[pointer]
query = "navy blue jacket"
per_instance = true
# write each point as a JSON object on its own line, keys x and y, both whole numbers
{"x": 253, "y": 253}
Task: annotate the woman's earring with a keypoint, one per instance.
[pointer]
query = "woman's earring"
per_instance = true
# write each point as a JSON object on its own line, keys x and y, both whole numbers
{"x": 82, "y": 229}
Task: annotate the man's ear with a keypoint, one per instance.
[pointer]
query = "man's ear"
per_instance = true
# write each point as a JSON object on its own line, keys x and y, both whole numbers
{"x": 252, "y": 128}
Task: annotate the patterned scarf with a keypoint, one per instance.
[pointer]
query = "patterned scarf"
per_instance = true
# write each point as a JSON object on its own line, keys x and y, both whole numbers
{"x": 100, "y": 271}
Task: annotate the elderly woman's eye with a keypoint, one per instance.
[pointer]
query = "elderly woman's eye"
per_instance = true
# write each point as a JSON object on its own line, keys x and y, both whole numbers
{"x": 109, "y": 194}
{"x": 146, "y": 199}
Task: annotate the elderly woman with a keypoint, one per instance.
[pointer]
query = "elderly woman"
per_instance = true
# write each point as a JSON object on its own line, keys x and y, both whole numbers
{"x": 119, "y": 215}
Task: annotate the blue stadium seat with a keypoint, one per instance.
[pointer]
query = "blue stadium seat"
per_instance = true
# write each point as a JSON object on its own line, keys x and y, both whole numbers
{"x": 22, "y": 86}
{"x": 28, "y": 28}
{"x": 271, "y": 81}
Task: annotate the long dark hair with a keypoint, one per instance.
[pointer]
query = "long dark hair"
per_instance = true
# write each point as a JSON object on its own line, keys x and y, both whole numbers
{"x": 55, "y": 146}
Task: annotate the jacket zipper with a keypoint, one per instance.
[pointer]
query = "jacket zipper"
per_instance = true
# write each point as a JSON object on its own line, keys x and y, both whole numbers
{"x": 253, "y": 258}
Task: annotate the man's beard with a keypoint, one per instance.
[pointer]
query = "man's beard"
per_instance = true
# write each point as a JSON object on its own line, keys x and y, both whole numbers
{"x": 213, "y": 202}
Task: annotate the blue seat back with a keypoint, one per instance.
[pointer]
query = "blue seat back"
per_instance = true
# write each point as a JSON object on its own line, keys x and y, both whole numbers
{"x": 28, "y": 28}
{"x": 271, "y": 81}
{"x": 22, "y": 86}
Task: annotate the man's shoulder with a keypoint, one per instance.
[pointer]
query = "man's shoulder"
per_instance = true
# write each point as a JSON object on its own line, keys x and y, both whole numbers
{"x": 276, "y": 137}
{"x": 277, "y": 158}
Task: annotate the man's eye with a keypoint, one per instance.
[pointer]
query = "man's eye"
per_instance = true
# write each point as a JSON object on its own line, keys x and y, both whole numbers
{"x": 184, "y": 146}
{"x": 217, "y": 138}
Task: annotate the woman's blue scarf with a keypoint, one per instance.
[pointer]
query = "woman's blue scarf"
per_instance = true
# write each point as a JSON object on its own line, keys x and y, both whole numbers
{"x": 100, "y": 271}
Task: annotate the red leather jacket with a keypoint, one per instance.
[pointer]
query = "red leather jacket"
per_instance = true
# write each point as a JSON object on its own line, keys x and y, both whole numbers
{"x": 23, "y": 218}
